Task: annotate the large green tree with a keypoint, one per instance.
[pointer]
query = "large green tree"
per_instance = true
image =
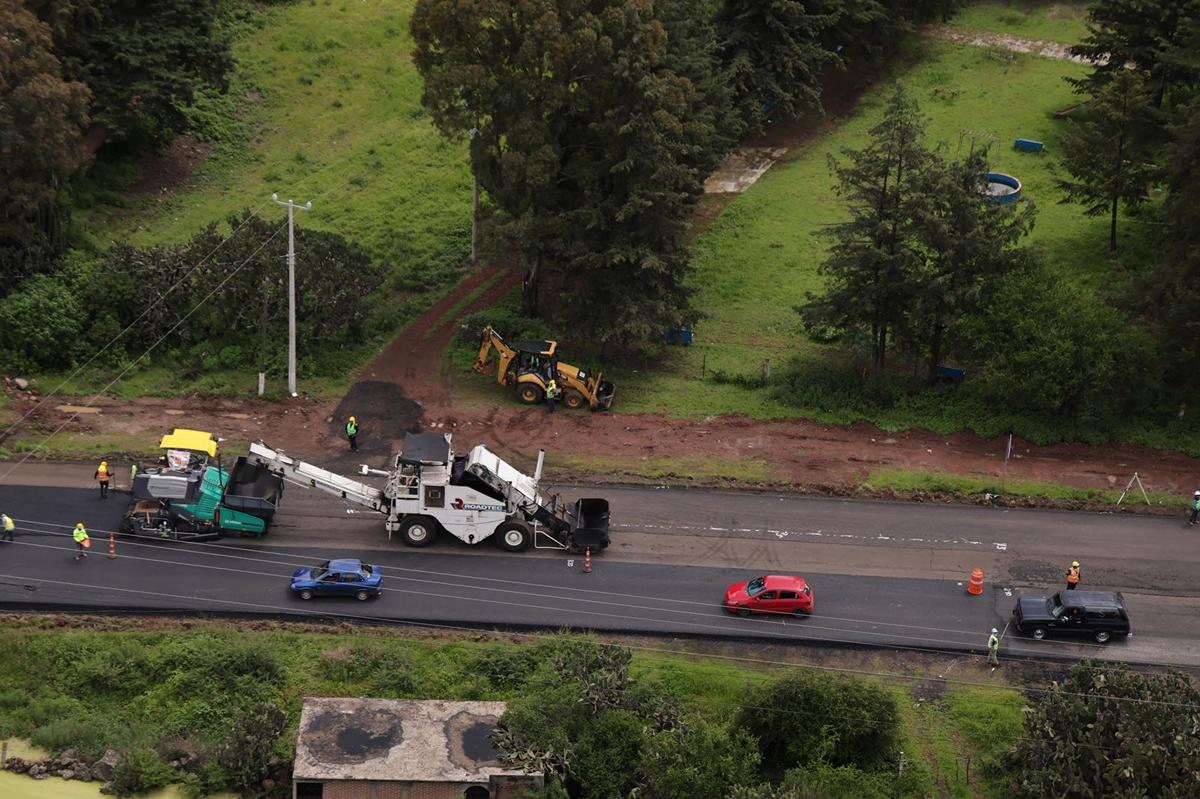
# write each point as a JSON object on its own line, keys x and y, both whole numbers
{"x": 806, "y": 718}
{"x": 41, "y": 120}
{"x": 1108, "y": 732}
{"x": 592, "y": 126}
{"x": 504, "y": 73}
{"x": 585, "y": 721}
{"x": 969, "y": 245}
{"x": 143, "y": 61}
{"x": 1107, "y": 150}
{"x": 1156, "y": 39}
{"x": 642, "y": 143}
{"x": 873, "y": 265}
{"x": 1172, "y": 294}
{"x": 775, "y": 53}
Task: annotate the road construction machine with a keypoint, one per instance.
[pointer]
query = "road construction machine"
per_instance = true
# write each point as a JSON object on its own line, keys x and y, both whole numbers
{"x": 527, "y": 368}
{"x": 190, "y": 496}
{"x": 430, "y": 490}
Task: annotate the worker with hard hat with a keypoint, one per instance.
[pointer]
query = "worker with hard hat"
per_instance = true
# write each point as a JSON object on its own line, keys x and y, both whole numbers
{"x": 1195, "y": 507}
{"x": 352, "y": 433}
{"x": 82, "y": 542}
{"x": 1073, "y": 576}
{"x": 994, "y": 648}
{"x": 102, "y": 476}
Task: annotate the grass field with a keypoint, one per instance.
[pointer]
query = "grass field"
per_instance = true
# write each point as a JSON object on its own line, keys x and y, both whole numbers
{"x": 1029, "y": 19}
{"x": 760, "y": 258}
{"x": 125, "y": 689}
{"x": 327, "y": 107}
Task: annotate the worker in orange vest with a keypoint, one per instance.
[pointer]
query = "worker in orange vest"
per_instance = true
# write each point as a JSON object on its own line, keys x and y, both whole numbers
{"x": 102, "y": 476}
{"x": 1073, "y": 576}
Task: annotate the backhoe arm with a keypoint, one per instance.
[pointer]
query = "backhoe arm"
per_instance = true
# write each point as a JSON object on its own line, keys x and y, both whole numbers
{"x": 491, "y": 340}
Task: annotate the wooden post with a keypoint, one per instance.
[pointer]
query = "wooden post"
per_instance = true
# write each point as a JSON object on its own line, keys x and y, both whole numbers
{"x": 766, "y": 370}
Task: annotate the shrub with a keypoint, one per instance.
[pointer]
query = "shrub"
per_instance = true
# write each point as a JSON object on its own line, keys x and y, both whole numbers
{"x": 140, "y": 770}
{"x": 506, "y": 321}
{"x": 40, "y": 325}
{"x": 804, "y": 718}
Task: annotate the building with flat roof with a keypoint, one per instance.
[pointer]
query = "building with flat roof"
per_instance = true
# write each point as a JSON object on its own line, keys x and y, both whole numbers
{"x": 390, "y": 749}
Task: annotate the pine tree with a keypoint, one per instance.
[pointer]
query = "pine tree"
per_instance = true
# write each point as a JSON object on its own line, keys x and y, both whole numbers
{"x": 969, "y": 246}
{"x": 1106, "y": 150}
{"x": 874, "y": 261}
{"x": 774, "y": 54}
{"x": 41, "y": 120}
{"x": 1157, "y": 39}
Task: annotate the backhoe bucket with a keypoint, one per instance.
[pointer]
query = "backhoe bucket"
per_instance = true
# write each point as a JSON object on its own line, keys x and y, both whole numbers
{"x": 604, "y": 395}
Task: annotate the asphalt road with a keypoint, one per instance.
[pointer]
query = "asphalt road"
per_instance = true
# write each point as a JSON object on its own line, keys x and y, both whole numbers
{"x": 884, "y": 574}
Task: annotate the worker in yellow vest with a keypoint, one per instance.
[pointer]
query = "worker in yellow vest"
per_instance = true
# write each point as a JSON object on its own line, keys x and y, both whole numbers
{"x": 102, "y": 476}
{"x": 352, "y": 433}
{"x": 81, "y": 541}
{"x": 8, "y": 525}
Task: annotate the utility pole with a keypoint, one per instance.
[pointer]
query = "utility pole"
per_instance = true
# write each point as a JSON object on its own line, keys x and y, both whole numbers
{"x": 292, "y": 207}
{"x": 475, "y": 208}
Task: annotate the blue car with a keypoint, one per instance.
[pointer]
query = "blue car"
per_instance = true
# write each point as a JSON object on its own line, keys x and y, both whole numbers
{"x": 338, "y": 578}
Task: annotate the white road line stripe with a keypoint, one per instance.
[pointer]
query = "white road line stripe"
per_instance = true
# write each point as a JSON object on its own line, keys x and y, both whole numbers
{"x": 1000, "y": 545}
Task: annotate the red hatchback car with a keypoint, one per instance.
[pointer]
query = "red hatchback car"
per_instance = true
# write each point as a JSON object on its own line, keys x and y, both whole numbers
{"x": 770, "y": 595}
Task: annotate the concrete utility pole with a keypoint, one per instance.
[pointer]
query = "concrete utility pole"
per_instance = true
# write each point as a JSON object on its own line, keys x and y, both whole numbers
{"x": 292, "y": 207}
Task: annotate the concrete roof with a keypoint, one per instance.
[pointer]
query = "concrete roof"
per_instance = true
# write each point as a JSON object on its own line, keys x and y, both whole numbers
{"x": 390, "y": 740}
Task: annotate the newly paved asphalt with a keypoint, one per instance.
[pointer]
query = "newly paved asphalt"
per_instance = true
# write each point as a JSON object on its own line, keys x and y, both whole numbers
{"x": 884, "y": 574}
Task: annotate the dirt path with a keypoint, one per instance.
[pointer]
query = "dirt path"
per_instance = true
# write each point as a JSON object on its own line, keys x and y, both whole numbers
{"x": 1003, "y": 41}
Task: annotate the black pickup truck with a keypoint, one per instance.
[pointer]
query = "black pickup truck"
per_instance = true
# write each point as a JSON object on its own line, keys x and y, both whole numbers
{"x": 1097, "y": 614}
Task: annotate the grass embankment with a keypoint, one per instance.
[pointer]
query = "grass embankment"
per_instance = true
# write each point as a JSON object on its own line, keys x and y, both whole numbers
{"x": 324, "y": 105}
{"x": 1042, "y": 20}
{"x": 973, "y": 487}
{"x": 69, "y": 687}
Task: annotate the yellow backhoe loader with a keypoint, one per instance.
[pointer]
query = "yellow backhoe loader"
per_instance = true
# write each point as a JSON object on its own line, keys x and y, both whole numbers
{"x": 527, "y": 368}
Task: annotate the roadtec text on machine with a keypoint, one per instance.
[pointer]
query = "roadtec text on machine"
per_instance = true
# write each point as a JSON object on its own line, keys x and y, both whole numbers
{"x": 472, "y": 497}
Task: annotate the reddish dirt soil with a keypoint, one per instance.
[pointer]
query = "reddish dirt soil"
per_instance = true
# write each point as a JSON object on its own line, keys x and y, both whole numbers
{"x": 406, "y": 389}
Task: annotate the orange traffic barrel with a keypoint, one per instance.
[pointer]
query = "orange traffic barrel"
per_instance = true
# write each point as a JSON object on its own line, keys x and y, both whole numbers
{"x": 975, "y": 587}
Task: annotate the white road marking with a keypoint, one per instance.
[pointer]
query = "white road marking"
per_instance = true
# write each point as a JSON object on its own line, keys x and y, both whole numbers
{"x": 781, "y": 534}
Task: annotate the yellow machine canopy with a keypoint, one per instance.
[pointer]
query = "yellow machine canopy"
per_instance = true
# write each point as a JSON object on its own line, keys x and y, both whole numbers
{"x": 191, "y": 440}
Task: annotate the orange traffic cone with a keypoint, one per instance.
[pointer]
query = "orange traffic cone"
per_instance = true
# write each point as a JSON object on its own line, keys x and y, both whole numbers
{"x": 975, "y": 587}
{"x": 587, "y": 561}
{"x": 112, "y": 546}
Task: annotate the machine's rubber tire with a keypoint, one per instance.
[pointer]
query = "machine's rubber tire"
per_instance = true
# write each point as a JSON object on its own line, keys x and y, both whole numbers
{"x": 1102, "y": 636}
{"x": 743, "y": 612}
{"x": 305, "y": 595}
{"x": 1039, "y": 633}
{"x": 362, "y": 596}
{"x": 513, "y": 536}
{"x": 573, "y": 399}
{"x": 531, "y": 393}
{"x": 418, "y": 531}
